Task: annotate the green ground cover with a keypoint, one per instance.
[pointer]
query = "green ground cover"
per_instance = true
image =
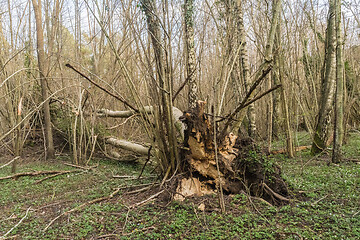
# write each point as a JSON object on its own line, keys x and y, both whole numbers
{"x": 328, "y": 209}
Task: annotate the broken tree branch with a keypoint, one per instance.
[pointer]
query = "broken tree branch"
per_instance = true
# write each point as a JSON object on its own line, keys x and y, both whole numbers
{"x": 147, "y": 200}
{"x": 120, "y": 98}
{"x": 8, "y": 232}
{"x": 261, "y": 95}
{"x": 244, "y": 101}
{"x": 54, "y": 175}
{"x": 10, "y": 162}
{"x": 82, "y": 206}
{"x": 33, "y": 174}
{"x": 81, "y": 167}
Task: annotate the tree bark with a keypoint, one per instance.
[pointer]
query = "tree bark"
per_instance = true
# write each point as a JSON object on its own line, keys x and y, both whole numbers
{"x": 190, "y": 51}
{"x": 279, "y": 64}
{"x": 164, "y": 128}
{"x": 339, "y": 98}
{"x": 321, "y": 134}
{"x": 50, "y": 151}
{"x": 130, "y": 146}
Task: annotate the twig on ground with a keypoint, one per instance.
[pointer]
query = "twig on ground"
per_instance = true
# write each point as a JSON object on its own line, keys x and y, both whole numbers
{"x": 316, "y": 202}
{"x": 12, "y": 216}
{"x": 147, "y": 160}
{"x": 137, "y": 230}
{"x": 82, "y": 206}
{"x": 140, "y": 185}
{"x": 352, "y": 160}
{"x": 126, "y": 177}
{"x": 147, "y": 200}
{"x": 109, "y": 235}
{"x": 139, "y": 190}
{"x": 261, "y": 200}
{"x": 54, "y": 175}
{"x": 52, "y": 204}
{"x": 126, "y": 219}
{"x": 8, "y": 232}
{"x": 356, "y": 213}
{"x": 10, "y": 162}
{"x": 81, "y": 167}
{"x": 36, "y": 173}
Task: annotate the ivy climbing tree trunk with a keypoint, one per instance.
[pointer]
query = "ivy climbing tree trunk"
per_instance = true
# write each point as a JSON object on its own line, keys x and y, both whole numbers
{"x": 50, "y": 150}
{"x": 322, "y": 129}
{"x": 190, "y": 51}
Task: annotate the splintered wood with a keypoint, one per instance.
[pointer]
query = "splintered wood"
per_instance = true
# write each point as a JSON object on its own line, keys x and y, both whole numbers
{"x": 239, "y": 171}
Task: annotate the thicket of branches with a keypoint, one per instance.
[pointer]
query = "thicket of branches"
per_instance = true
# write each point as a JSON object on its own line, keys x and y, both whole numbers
{"x": 138, "y": 52}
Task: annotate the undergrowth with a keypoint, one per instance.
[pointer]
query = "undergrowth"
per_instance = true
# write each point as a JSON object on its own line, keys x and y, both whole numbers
{"x": 328, "y": 208}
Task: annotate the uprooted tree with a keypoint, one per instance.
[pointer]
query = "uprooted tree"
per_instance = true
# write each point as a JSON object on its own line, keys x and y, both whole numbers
{"x": 236, "y": 164}
{"x": 207, "y": 158}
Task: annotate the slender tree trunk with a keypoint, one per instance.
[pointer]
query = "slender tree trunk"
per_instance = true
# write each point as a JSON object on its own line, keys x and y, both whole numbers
{"x": 265, "y": 65}
{"x": 244, "y": 56}
{"x": 322, "y": 129}
{"x": 10, "y": 25}
{"x": 165, "y": 128}
{"x": 278, "y": 73}
{"x": 190, "y": 51}
{"x": 50, "y": 151}
{"x": 339, "y": 98}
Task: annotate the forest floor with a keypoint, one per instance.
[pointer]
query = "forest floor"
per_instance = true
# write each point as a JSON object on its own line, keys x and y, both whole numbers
{"x": 330, "y": 208}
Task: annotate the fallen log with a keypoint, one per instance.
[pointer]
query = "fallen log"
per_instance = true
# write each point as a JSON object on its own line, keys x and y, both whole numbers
{"x": 177, "y": 113}
{"x": 284, "y": 150}
{"x": 130, "y": 146}
{"x": 122, "y": 114}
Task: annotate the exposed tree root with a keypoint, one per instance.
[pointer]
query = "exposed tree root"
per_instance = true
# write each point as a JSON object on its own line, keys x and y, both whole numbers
{"x": 242, "y": 165}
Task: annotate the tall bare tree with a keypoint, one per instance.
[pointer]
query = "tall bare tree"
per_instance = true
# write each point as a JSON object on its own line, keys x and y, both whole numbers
{"x": 245, "y": 66}
{"x": 339, "y": 97}
{"x": 322, "y": 129}
{"x": 43, "y": 71}
{"x": 165, "y": 128}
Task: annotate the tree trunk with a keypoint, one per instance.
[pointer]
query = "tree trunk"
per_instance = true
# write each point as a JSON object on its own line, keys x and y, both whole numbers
{"x": 244, "y": 57}
{"x": 339, "y": 98}
{"x": 164, "y": 127}
{"x": 190, "y": 51}
{"x": 279, "y": 65}
{"x": 50, "y": 151}
{"x": 321, "y": 134}
{"x": 265, "y": 66}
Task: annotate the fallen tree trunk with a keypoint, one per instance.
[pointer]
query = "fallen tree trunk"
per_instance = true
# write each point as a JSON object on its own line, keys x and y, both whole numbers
{"x": 123, "y": 144}
{"x": 177, "y": 113}
{"x": 122, "y": 114}
{"x": 284, "y": 150}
